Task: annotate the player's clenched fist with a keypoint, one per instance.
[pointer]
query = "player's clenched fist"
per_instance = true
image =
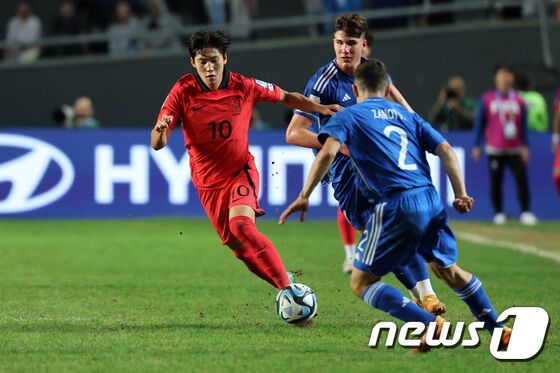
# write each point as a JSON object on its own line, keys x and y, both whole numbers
{"x": 163, "y": 123}
{"x": 463, "y": 204}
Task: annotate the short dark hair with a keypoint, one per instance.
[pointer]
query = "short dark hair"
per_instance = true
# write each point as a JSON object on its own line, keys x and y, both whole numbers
{"x": 372, "y": 75}
{"x": 353, "y": 24}
{"x": 505, "y": 67}
{"x": 369, "y": 39}
{"x": 208, "y": 39}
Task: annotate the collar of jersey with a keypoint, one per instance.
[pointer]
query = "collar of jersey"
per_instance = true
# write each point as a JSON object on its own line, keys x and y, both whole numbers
{"x": 205, "y": 88}
{"x": 349, "y": 77}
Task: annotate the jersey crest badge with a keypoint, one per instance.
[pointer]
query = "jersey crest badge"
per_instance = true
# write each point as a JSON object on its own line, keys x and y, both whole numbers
{"x": 235, "y": 105}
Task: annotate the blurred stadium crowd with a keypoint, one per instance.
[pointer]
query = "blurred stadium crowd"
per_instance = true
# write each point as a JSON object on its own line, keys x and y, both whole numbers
{"x": 140, "y": 27}
{"x": 125, "y": 24}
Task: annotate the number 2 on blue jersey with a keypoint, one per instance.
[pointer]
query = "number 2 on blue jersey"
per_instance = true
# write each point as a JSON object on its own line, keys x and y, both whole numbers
{"x": 404, "y": 147}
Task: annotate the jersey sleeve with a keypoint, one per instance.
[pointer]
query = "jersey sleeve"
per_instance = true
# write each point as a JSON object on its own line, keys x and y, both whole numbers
{"x": 431, "y": 138}
{"x": 263, "y": 91}
{"x": 337, "y": 127}
{"x": 171, "y": 106}
{"x": 311, "y": 93}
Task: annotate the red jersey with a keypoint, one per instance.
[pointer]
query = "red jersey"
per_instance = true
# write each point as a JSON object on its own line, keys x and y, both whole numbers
{"x": 216, "y": 123}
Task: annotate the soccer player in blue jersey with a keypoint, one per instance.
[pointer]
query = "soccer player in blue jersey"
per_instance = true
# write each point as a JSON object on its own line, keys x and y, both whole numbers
{"x": 332, "y": 84}
{"x": 388, "y": 147}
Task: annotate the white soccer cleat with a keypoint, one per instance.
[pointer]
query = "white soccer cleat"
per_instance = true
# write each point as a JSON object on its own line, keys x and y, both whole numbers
{"x": 500, "y": 218}
{"x": 528, "y": 218}
{"x": 347, "y": 266}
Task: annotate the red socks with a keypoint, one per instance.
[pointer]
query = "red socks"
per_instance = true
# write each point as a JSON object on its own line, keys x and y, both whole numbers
{"x": 252, "y": 264}
{"x": 346, "y": 229}
{"x": 258, "y": 254}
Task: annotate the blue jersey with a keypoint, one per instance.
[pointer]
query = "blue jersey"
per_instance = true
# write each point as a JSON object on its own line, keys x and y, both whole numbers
{"x": 329, "y": 86}
{"x": 387, "y": 144}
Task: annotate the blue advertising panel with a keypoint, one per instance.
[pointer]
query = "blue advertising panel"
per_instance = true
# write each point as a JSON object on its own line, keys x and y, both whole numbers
{"x": 114, "y": 173}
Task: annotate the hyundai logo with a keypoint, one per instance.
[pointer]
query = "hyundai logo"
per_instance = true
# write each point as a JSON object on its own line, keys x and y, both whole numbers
{"x": 26, "y": 172}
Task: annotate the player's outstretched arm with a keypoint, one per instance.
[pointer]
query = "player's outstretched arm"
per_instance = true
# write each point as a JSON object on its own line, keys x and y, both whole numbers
{"x": 161, "y": 132}
{"x": 396, "y": 96}
{"x": 462, "y": 203}
{"x": 298, "y": 101}
{"x": 319, "y": 169}
{"x": 298, "y": 133}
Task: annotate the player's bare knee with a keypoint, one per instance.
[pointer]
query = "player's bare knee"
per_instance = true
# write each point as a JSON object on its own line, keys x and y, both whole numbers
{"x": 360, "y": 281}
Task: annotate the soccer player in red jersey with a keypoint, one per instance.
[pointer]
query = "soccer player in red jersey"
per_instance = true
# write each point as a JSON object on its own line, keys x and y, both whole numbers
{"x": 214, "y": 107}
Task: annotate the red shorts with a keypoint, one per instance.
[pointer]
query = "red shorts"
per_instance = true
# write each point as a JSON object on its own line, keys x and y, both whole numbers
{"x": 241, "y": 189}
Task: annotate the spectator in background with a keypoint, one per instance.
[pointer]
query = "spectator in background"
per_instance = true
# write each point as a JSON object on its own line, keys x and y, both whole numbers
{"x": 314, "y": 8}
{"x": 537, "y": 111}
{"x": 66, "y": 23}
{"x": 530, "y": 9}
{"x": 23, "y": 31}
{"x": 242, "y": 12}
{"x": 556, "y": 140}
{"x": 216, "y": 11}
{"x": 336, "y": 7}
{"x": 502, "y": 120}
{"x": 83, "y": 114}
{"x": 79, "y": 115}
{"x": 165, "y": 24}
{"x": 453, "y": 111}
{"x": 123, "y": 32}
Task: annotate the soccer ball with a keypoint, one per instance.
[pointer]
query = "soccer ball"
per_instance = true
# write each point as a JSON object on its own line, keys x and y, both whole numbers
{"x": 296, "y": 304}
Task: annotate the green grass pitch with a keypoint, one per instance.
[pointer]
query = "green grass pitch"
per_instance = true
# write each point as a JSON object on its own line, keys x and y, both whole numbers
{"x": 164, "y": 295}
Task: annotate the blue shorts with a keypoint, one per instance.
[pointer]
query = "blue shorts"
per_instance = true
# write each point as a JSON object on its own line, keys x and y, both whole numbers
{"x": 406, "y": 223}
{"x": 357, "y": 208}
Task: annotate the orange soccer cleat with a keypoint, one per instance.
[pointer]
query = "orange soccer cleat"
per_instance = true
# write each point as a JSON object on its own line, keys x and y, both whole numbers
{"x": 432, "y": 304}
{"x": 506, "y": 335}
{"x": 424, "y": 347}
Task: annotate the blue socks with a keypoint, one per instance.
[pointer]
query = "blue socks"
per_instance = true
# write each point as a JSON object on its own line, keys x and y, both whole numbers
{"x": 386, "y": 298}
{"x": 417, "y": 267}
{"x": 413, "y": 272}
{"x": 474, "y": 296}
{"x": 403, "y": 274}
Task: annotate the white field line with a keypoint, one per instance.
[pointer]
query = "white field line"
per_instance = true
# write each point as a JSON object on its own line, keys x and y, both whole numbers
{"x": 527, "y": 249}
